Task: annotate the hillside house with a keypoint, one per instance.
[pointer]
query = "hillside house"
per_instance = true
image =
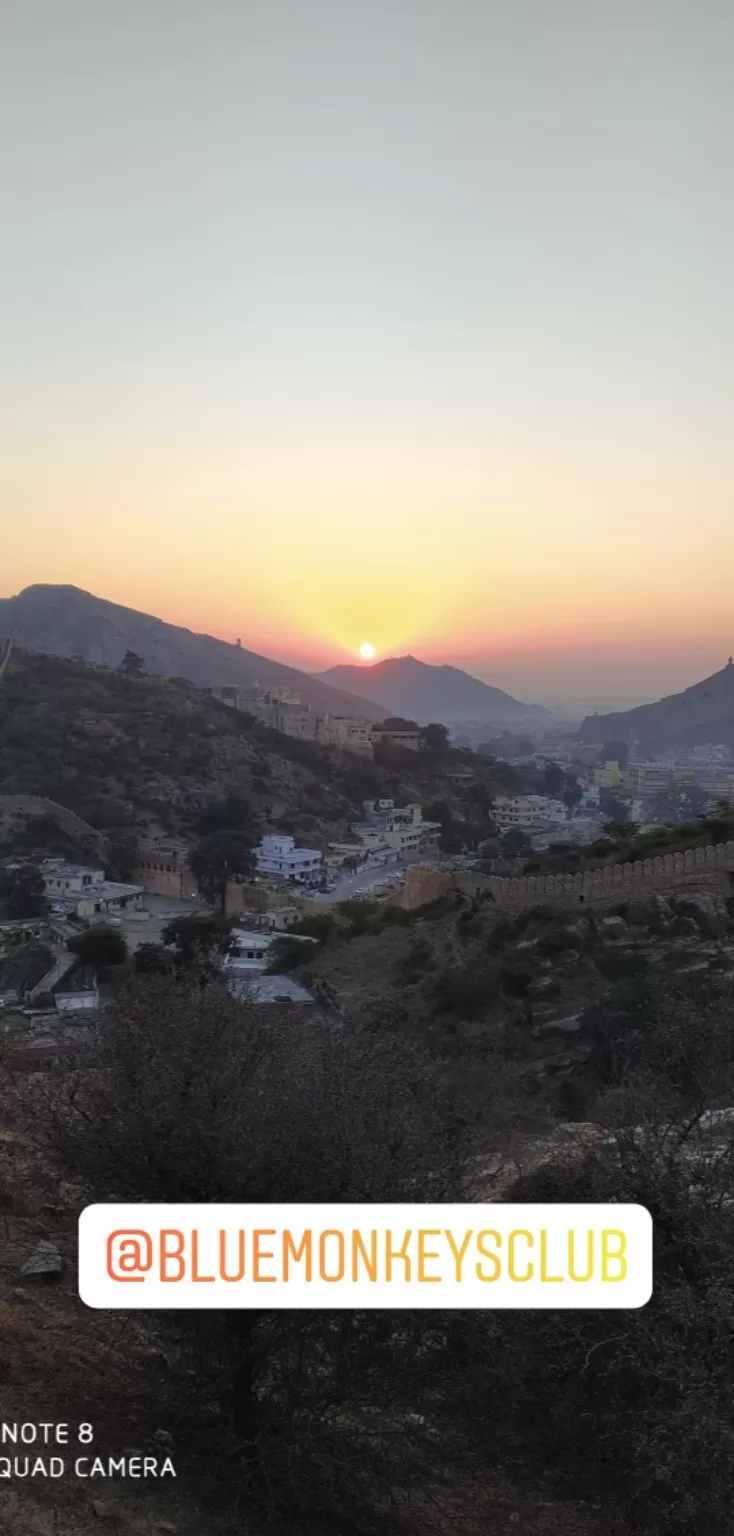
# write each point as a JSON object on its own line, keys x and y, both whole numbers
{"x": 83, "y": 891}
{"x": 528, "y": 812}
{"x": 64, "y": 879}
{"x": 278, "y": 855}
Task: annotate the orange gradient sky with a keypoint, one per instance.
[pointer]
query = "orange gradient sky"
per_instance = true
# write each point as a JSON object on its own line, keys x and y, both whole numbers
{"x": 407, "y": 324}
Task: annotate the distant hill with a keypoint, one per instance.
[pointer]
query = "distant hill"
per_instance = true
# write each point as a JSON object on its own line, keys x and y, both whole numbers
{"x": 65, "y": 621}
{"x": 414, "y": 689}
{"x": 702, "y": 713}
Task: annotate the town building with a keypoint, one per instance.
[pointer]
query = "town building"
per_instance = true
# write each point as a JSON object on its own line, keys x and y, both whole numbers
{"x": 390, "y": 834}
{"x": 590, "y": 802}
{"x": 346, "y": 731}
{"x": 283, "y": 710}
{"x": 246, "y": 964}
{"x": 163, "y": 870}
{"x": 278, "y": 855}
{"x": 647, "y": 778}
{"x": 608, "y": 776}
{"x": 83, "y": 891}
{"x": 527, "y": 811}
{"x": 407, "y": 737}
{"x": 249, "y": 949}
{"x": 405, "y": 829}
{"x": 64, "y": 879}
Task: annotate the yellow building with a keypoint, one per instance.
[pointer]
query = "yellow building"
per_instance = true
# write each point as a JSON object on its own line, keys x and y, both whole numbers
{"x": 608, "y": 776}
{"x": 346, "y": 731}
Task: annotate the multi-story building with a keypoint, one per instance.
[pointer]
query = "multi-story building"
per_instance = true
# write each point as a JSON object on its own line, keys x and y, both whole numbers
{"x": 407, "y": 737}
{"x": 527, "y": 811}
{"x": 346, "y": 731}
{"x": 278, "y": 855}
{"x": 608, "y": 776}
{"x": 657, "y": 778}
{"x": 163, "y": 870}
{"x": 283, "y": 710}
{"x": 405, "y": 829}
{"x": 590, "y": 802}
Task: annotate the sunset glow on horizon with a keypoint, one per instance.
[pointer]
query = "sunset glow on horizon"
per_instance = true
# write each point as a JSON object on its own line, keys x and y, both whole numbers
{"x": 416, "y": 329}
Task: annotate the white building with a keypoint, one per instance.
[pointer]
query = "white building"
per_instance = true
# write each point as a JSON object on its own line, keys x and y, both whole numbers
{"x": 83, "y": 890}
{"x": 277, "y": 855}
{"x": 63, "y": 879}
{"x": 246, "y": 964}
{"x": 249, "y": 950}
{"x": 590, "y": 802}
{"x": 528, "y": 811}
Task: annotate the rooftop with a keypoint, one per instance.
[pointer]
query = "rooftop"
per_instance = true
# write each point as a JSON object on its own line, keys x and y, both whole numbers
{"x": 270, "y": 989}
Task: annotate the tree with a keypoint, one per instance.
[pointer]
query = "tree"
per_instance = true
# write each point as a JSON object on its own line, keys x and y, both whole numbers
{"x": 232, "y": 814}
{"x": 620, "y": 831}
{"x": 153, "y": 960}
{"x": 132, "y": 664}
{"x": 122, "y": 856}
{"x": 286, "y": 952}
{"x": 199, "y": 944}
{"x": 99, "y": 947}
{"x": 22, "y": 891}
{"x": 196, "y": 1097}
{"x": 219, "y": 858}
{"x": 515, "y": 842}
{"x": 435, "y": 738}
{"x": 612, "y": 807}
{"x": 572, "y": 792}
{"x": 554, "y": 781}
{"x": 439, "y": 810}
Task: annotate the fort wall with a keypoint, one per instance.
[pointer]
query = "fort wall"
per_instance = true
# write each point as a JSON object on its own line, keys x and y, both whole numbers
{"x": 17, "y": 810}
{"x": 669, "y": 873}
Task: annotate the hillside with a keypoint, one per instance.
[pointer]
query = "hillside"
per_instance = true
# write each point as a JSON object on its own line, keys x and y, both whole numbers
{"x": 702, "y": 713}
{"x": 515, "y": 1002}
{"x": 65, "y": 621}
{"x": 145, "y": 755}
{"x": 412, "y": 688}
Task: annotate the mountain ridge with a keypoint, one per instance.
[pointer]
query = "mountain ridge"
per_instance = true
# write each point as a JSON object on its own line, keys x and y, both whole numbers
{"x": 686, "y": 718}
{"x": 65, "y": 620}
{"x": 417, "y": 689}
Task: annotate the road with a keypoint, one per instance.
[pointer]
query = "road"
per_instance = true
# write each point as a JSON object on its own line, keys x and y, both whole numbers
{"x": 366, "y": 879}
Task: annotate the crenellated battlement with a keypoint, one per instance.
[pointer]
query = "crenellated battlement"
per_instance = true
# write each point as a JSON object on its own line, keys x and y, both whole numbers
{"x": 601, "y": 887}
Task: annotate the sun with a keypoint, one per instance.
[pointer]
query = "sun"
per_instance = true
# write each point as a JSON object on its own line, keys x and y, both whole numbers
{"x": 367, "y": 650}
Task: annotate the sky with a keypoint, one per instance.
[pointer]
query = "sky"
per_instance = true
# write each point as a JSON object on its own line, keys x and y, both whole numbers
{"x": 324, "y": 322}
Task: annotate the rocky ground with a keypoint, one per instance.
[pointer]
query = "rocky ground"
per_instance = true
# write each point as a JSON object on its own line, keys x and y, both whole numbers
{"x": 471, "y": 980}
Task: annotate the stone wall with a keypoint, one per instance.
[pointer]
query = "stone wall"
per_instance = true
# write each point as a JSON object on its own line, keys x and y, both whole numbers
{"x": 164, "y": 872}
{"x": 424, "y": 883}
{"x": 17, "y": 810}
{"x": 668, "y": 873}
